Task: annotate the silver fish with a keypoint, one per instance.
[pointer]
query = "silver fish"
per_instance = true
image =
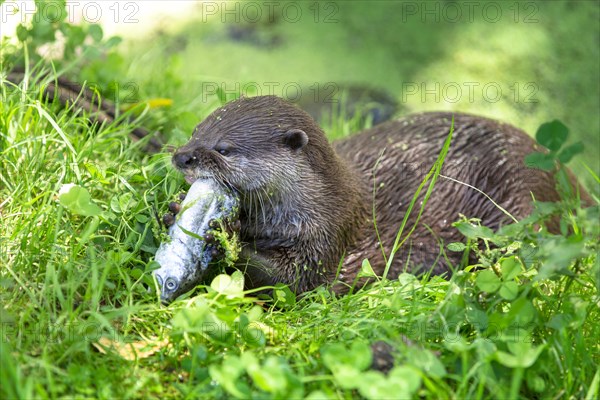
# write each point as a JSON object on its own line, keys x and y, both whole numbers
{"x": 184, "y": 259}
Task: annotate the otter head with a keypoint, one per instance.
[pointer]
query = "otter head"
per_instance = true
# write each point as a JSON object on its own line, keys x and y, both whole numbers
{"x": 261, "y": 144}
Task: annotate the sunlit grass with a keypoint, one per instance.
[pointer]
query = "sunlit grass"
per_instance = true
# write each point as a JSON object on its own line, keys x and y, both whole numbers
{"x": 71, "y": 283}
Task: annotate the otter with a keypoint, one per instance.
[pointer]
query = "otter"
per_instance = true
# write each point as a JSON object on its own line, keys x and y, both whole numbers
{"x": 311, "y": 211}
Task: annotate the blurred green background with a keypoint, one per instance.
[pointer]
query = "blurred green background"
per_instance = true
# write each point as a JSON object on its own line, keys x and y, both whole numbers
{"x": 522, "y": 62}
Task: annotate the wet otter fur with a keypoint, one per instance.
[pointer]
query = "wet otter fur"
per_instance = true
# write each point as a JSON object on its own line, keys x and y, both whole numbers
{"x": 307, "y": 206}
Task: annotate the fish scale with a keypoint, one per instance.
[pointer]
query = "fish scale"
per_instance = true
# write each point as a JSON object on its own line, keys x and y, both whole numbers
{"x": 185, "y": 258}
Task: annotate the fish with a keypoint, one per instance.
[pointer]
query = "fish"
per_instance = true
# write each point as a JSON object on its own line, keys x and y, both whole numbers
{"x": 185, "y": 258}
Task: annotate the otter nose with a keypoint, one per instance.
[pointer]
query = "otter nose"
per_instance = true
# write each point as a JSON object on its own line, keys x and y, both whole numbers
{"x": 184, "y": 159}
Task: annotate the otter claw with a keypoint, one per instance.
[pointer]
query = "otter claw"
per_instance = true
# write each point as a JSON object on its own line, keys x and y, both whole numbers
{"x": 236, "y": 225}
{"x": 182, "y": 196}
{"x": 230, "y": 226}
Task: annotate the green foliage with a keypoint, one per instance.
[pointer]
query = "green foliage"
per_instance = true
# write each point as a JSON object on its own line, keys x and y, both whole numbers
{"x": 273, "y": 377}
{"x": 79, "y": 229}
{"x": 232, "y": 286}
{"x": 350, "y": 368}
{"x": 50, "y": 27}
{"x": 525, "y": 279}
{"x": 79, "y": 51}
{"x": 553, "y": 135}
{"x": 78, "y": 200}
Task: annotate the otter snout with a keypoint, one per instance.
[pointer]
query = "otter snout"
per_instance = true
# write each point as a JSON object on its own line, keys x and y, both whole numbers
{"x": 185, "y": 159}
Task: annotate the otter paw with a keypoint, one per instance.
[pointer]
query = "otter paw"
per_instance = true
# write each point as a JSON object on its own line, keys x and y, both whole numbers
{"x": 230, "y": 226}
{"x": 214, "y": 236}
{"x": 211, "y": 239}
{"x": 235, "y": 226}
{"x": 217, "y": 252}
{"x": 214, "y": 224}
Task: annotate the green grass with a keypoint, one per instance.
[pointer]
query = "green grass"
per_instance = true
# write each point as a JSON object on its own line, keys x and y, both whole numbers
{"x": 74, "y": 274}
{"x": 68, "y": 280}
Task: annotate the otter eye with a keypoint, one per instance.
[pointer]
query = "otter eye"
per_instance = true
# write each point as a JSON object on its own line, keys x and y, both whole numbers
{"x": 170, "y": 284}
{"x": 223, "y": 149}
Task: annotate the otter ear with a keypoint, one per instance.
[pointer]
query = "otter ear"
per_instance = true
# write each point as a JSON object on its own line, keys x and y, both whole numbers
{"x": 295, "y": 139}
